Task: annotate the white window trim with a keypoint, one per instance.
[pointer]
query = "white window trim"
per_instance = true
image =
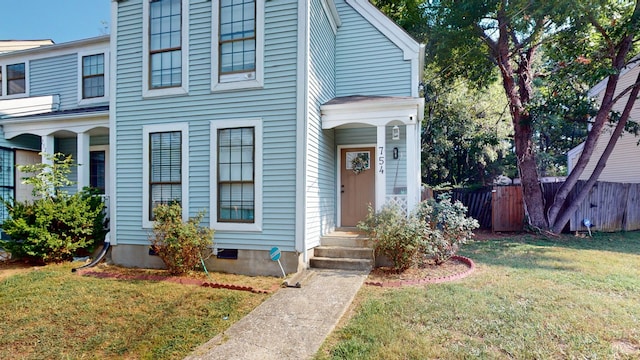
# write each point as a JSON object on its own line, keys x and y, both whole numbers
{"x": 107, "y": 171}
{"x": 250, "y": 79}
{"x": 100, "y": 99}
{"x": 148, "y": 92}
{"x": 213, "y": 167}
{"x": 5, "y": 81}
{"x": 146, "y": 130}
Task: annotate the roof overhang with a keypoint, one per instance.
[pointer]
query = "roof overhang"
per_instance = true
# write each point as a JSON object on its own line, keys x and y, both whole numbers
{"x": 371, "y": 110}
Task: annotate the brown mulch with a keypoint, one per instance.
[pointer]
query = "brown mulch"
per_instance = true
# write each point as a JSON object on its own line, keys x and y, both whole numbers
{"x": 428, "y": 272}
{"x": 257, "y": 284}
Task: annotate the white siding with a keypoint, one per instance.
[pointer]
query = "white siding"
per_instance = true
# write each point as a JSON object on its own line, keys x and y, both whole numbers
{"x": 623, "y": 164}
{"x": 367, "y": 62}
{"x": 275, "y": 104}
{"x": 320, "y": 185}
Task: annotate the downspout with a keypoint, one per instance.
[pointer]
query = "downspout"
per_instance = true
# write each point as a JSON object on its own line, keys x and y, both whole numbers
{"x": 302, "y": 85}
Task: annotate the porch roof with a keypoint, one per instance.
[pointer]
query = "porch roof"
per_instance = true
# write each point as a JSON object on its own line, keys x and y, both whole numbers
{"x": 76, "y": 120}
{"x": 372, "y": 110}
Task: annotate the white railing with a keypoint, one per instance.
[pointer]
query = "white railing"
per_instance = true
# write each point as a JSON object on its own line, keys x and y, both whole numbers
{"x": 398, "y": 200}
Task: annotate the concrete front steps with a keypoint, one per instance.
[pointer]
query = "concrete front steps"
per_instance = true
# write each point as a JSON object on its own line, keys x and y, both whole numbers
{"x": 344, "y": 249}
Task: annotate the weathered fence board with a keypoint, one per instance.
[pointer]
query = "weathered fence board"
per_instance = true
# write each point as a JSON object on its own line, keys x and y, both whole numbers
{"x": 605, "y": 207}
{"x": 507, "y": 208}
{"x": 632, "y": 215}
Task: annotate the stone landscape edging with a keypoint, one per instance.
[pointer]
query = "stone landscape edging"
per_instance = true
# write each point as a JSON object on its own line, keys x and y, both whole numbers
{"x": 429, "y": 280}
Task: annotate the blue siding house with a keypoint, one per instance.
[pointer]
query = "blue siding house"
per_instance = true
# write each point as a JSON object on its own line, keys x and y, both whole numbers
{"x": 282, "y": 119}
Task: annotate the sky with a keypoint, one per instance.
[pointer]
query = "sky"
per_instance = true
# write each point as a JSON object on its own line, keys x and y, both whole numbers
{"x": 58, "y": 20}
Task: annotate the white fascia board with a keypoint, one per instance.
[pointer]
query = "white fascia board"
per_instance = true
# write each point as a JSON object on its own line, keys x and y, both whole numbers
{"x": 375, "y": 113}
{"x": 329, "y": 7}
{"x": 56, "y": 49}
{"x": 43, "y": 126}
{"x": 391, "y": 30}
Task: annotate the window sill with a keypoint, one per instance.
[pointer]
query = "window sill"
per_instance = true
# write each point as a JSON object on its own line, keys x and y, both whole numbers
{"x": 92, "y": 101}
{"x": 154, "y": 93}
{"x": 239, "y": 227}
{"x": 237, "y": 85}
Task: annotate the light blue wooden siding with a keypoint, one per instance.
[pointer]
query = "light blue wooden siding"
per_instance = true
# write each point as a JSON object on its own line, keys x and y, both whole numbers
{"x": 321, "y": 168}
{"x": 26, "y": 141}
{"x": 99, "y": 140}
{"x": 275, "y": 105}
{"x": 367, "y": 62}
{"x": 55, "y": 75}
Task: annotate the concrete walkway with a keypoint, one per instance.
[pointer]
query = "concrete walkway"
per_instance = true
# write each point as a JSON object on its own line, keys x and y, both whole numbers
{"x": 291, "y": 324}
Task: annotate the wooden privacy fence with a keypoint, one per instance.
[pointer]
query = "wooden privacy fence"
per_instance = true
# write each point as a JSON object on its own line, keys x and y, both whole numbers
{"x": 609, "y": 206}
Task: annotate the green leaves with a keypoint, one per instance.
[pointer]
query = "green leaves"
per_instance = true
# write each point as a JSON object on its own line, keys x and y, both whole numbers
{"x": 180, "y": 245}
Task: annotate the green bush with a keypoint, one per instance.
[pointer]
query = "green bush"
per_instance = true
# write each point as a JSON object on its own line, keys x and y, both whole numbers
{"x": 449, "y": 227}
{"x": 56, "y": 226}
{"x": 435, "y": 229}
{"x": 181, "y": 245}
{"x": 396, "y": 236}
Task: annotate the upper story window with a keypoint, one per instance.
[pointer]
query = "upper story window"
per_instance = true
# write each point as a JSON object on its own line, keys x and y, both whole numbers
{"x": 165, "y": 66}
{"x": 16, "y": 79}
{"x": 93, "y": 76}
{"x": 237, "y": 49}
{"x": 237, "y": 36}
{"x": 165, "y": 53}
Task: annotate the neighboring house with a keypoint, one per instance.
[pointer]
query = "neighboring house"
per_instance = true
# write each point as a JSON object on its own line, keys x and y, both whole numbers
{"x": 54, "y": 98}
{"x": 14, "y": 45}
{"x": 251, "y": 110}
{"x": 623, "y": 165}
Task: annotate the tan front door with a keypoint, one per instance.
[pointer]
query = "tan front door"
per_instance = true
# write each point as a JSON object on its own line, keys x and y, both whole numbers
{"x": 357, "y": 187}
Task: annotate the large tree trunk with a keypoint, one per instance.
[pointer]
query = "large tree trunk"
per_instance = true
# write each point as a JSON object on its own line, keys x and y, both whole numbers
{"x": 618, "y": 54}
{"x": 565, "y": 215}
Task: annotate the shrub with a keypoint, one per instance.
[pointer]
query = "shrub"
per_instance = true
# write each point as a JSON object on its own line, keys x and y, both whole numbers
{"x": 435, "y": 229}
{"x": 181, "y": 245}
{"x": 56, "y": 226}
{"x": 449, "y": 227}
{"x": 395, "y": 235}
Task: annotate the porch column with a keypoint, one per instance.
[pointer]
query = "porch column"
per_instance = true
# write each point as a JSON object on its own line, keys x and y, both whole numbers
{"x": 83, "y": 160}
{"x": 413, "y": 166}
{"x": 381, "y": 167}
{"x": 47, "y": 147}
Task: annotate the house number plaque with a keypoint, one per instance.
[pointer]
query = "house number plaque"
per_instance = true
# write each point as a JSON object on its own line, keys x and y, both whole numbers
{"x": 381, "y": 160}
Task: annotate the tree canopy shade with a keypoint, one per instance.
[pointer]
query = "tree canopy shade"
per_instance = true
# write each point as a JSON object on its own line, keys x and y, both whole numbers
{"x": 537, "y": 46}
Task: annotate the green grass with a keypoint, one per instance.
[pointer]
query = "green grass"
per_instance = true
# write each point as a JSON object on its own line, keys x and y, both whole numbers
{"x": 51, "y": 313}
{"x": 529, "y": 298}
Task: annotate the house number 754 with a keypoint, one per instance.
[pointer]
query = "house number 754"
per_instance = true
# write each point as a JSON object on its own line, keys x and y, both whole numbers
{"x": 381, "y": 160}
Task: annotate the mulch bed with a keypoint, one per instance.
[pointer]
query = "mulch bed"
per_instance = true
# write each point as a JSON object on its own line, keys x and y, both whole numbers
{"x": 457, "y": 267}
{"x": 175, "y": 279}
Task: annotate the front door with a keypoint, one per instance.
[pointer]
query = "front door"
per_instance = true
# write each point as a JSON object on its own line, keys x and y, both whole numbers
{"x": 357, "y": 184}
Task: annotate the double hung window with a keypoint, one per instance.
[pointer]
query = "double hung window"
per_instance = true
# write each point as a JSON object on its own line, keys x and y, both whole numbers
{"x": 16, "y": 79}
{"x": 93, "y": 76}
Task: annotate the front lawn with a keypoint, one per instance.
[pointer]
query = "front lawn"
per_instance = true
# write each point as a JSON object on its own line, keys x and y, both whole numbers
{"x": 529, "y": 298}
{"x": 52, "y": 313}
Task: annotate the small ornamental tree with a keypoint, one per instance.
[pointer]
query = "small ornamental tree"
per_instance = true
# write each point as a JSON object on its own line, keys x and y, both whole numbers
{"x": 449, "y": 227}
{"x": 56, "y": 226}
{"x": 181, "y": 245}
